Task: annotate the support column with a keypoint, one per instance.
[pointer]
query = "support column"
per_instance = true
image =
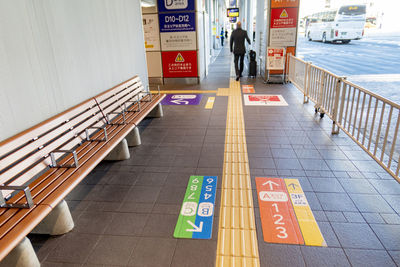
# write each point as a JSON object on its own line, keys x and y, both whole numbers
{"x": 22, "y": 255}
{"x": 260, "y": 29}
{"x": 133, "y": 138}
{"x": 157, "y": 112}
{"x": 58, "y": 222}
{"x": 120, "y": 152}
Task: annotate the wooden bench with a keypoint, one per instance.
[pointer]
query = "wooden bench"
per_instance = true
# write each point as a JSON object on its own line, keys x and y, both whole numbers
{"x": 41, "y": 165}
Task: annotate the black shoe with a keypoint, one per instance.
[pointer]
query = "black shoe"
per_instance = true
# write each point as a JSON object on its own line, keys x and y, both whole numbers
{"x": 240, "y": 76}
{"x": 237, "y": 78}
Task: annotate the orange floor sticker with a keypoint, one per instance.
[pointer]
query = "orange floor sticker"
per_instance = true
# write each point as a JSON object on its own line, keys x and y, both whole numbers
{"x": 278, "y": 220}
{"x": 248, "y": 89}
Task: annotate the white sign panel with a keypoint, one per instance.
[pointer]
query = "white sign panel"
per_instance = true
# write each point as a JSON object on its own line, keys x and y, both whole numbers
{"x": 282, "y": 37}
{"x": 172, "y": 41}
{"x": 151, "y": 32}
{"x": 264, "y": 100}
{"x": 275, "y": 58}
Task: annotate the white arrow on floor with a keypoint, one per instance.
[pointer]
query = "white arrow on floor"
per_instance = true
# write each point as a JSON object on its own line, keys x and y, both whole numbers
{"x": 270, "y": 183}
{"x": 180, "y": 101}
{"x": 195, "y": 227}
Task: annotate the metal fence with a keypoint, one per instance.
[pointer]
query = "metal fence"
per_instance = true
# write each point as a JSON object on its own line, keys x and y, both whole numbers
{"x": 372, "y": 121}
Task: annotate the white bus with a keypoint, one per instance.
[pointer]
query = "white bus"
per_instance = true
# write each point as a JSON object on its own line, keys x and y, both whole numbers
{"x": 343, "y": 24}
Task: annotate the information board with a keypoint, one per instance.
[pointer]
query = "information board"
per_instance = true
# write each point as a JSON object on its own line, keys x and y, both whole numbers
{"x": 284, "y": 17}
{"x": 151, "y": 32}
{"x": 178, "y": 64}
{"x": 176, "y": 5}
{"x": 283, "y": 37}
{"x": 171, "y": 41}
{"x": 177, "y": 22}
{"x": 276, "y": 58}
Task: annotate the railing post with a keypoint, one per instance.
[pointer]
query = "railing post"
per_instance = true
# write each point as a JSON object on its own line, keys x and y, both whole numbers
{"x": 335, "y": 107}
{"x": 306, "y": 77}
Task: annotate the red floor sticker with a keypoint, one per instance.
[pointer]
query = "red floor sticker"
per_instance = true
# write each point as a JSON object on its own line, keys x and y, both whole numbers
{"x": 248, "y": 89}
{"x": 264, "y": 100}
{"x": 278, "y": 221}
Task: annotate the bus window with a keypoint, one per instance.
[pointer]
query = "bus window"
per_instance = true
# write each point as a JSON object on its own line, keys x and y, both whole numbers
{"x": 352, "y": 10}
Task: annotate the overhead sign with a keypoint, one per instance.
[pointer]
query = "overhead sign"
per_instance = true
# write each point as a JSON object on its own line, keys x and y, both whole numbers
{"x": 264, "y": 100}
{"x": 232, "y": 12}
{"x": 181, "y": 99}
{"x": 285, "y": 214}
{"x": 278, "y": 219}
{"x": 248, "y": 89}
{"x": 233, "y": 20}
{"x": 282, "y": 37}
{"x": 196, "y": 216}
{"x": 151, "y": 32}
{"x": 276, "y": 58}
{"x": 176, "y": 5}
{"x": 177, "y": 22}
{"x": 284, "y": 17}
{"x": 284, "y": 3}
{"x": 171, "y": 41}
{"x": 177, "y": 64}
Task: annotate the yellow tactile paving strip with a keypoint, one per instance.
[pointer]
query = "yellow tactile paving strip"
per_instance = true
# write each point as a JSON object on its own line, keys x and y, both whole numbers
{"x": 237, "y": 237}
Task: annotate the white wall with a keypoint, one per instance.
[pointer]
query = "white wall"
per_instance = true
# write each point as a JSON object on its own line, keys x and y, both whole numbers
{"x": 56, "y": 54}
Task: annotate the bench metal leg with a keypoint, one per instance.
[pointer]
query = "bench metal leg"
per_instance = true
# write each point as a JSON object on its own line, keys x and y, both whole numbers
{"x": 22, "y": 255}
{"x": 157, "y": 112}
{"x": 120, "y": 152}
{"x": 58, "y": 222}
{"x": 133, "y": 137}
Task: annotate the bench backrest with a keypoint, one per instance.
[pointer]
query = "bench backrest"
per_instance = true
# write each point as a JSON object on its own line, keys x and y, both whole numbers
{"x": 27, "y": 154}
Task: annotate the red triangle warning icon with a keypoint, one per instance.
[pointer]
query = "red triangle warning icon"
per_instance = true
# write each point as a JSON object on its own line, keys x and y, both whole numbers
{"x": 284, "y": 14}
{"x": 179, "y": 58}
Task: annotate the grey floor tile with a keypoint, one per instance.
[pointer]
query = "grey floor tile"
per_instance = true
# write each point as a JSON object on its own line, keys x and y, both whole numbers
{"x": 127, "y": 224}
{"x": 328, "y": 234}
{"x": 313, "y": 201}
{"x": 136, "y": 207}
{"x": 358, "y": 186}
{"x": 263, "y": 163}
{"x": 73, "y": 248}
{"x": 372, "y": 217}
{"x": 332, "y": 154}
{"x": 93, "y": 222}
{"x": 367, "y": 166}
{"x": 178, "y": 179}
{"x": 171, "y": 195}
{"x": 394, "y": 202}
{"x": 283, "y": 153}
{"x": 395, "y": 256}
{"x": 386, "y": 187}
{"x": 336, "y": 202}
{"x": 371, "y": 203}
{"x": 391, "y": 218}
{"x": 356, "y": 235}
{"x": 123, "y": 178}
{"x": 172, "y": 209}
{"x": 151, "y": 178}
{"x": 320, "y": 216}
{"x": 307, "y": 153}
{"x": 314, "y": 164}
{"x": 341, "y": 165}
{"x": 388, "y": 234}
{"x": 321, "y": 256}
{"x": 184, "y": 256}
{"x": 143, "y": 194}
{"x": 277, "y": 255}
{"x": 335, "y": 216}
{"x": 59, "y": 264}
{"x": 144, "y": 255}
{"x": 288, "y": 164}
{"x": 354, "y": 217}
{"x": 113, "y": 250}
{"x": 325, "y": 185}
{"x": 372, "y": 258}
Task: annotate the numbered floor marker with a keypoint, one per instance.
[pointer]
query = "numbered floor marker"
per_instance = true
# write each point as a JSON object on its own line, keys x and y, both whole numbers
{"x": 278, "y": 220}
{"x": 308, "y": 225}
{"x": 197, "y": 212}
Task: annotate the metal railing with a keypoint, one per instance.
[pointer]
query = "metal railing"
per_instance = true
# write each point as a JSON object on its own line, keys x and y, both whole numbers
{"x": 371, "y": 120}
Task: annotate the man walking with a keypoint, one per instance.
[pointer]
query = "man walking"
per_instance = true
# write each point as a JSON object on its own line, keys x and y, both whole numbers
{"x": 238, "y": 48}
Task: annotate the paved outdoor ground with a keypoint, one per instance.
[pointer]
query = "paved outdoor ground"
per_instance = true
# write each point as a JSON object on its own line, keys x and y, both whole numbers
{"x": 125, "y": 212}
{"x": 372, "y": 62}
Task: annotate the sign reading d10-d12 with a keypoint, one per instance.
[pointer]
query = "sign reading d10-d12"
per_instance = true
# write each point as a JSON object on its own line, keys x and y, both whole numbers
{"x": 197, "y": 212}
{"x": 175, "y": 5}
{"x": 177, "y": 22}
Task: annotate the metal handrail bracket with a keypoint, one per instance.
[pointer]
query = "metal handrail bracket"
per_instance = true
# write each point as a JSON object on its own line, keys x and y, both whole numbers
{"x": 29, "y": 201}
{"x": 54, "y": 161}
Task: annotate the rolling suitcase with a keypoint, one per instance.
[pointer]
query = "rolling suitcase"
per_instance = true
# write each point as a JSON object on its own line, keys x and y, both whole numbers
{"x": 253, "y": 69}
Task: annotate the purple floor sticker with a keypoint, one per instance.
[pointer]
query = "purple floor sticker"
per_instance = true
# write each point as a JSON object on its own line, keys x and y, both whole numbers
{"x": 181, "y": 99}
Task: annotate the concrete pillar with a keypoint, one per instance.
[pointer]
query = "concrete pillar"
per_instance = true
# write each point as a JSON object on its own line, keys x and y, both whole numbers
{"x": 133, "y": 138}
{"x": 157, "y": 112}
{"x": 22, "y": 255}
{"x": 58, "y": 222}
{"x": 260, "y": 27}
{"x": 120, "y": 152}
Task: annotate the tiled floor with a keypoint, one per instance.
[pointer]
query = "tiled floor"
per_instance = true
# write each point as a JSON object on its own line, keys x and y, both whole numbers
{"x": 125, "y": 212}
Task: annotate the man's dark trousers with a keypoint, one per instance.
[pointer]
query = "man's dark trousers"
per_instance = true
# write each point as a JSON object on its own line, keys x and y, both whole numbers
{"x": 238, "y": 70}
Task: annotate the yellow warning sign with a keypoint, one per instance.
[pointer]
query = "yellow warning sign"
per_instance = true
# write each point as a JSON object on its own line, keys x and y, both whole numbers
{"x": 284, "y": 14}
{"x": 179, "y": 58}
